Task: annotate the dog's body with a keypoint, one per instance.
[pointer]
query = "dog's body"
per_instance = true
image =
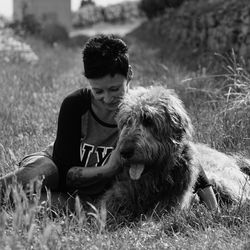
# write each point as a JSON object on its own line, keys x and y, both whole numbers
{"x": 162, "y": 163}
{"x": 158, "y": 190}
{"x": 227, "y": 173}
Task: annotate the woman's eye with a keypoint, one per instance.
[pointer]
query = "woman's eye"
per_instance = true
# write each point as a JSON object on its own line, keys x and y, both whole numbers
{"x": 114, "y": 89}
{"x": 98, "y": 92}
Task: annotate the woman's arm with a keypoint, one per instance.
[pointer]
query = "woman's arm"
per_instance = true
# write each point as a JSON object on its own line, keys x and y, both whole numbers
{"x": 204, "y": 190}
{"x": 66, "y": 146}
{"x": 80, "y": 177}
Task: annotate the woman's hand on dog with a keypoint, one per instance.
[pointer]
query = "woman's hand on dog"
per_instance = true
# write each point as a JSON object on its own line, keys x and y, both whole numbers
{"x": 115, "y": 163}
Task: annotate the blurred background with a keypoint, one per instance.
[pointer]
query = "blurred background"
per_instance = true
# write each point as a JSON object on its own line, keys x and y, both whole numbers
{"x": 196, "y": 28}
{"x": 76, "y": 14}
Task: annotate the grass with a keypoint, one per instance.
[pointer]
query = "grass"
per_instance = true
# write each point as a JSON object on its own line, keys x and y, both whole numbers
{"x": 30, "y": 98}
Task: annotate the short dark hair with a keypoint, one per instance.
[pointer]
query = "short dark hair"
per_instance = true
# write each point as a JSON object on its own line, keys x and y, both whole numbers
{"x": 105, "y": 55}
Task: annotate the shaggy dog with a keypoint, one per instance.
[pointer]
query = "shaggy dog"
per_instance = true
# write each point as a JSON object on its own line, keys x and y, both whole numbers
{"x": 161, "y": 163}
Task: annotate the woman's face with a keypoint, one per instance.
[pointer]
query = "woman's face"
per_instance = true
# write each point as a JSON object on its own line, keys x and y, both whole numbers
{"x": 109, "y": 90}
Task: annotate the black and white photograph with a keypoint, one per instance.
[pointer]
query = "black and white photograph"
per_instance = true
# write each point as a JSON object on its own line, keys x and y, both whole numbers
{"x": 124, "y": 124}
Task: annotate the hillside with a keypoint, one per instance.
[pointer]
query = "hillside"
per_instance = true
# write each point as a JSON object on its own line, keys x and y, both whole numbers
{"x": 197, "y": 32}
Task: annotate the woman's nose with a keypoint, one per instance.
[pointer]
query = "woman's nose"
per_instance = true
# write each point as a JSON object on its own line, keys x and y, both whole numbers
{"x": 107, "y": 98}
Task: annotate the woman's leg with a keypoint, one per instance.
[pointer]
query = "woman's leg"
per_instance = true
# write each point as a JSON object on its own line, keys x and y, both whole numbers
{"x": 33, "y": 166}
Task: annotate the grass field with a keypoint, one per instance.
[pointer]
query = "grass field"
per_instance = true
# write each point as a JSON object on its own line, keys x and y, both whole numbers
{"x": 30, "y": 98}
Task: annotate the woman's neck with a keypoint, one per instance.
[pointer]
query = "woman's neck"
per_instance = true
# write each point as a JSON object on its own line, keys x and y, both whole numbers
{"x": 105, "y": 115}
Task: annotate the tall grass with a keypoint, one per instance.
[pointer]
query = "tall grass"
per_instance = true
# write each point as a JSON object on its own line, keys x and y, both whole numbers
{"x": 220, "y": 105}
{"x": 30, "y": 98}
{"x": 31, "y": 95}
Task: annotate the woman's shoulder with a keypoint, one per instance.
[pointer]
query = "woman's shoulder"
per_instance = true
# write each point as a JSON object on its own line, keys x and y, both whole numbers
{"x": 78, "y": 97}
{"x": 79, "y": 100}
{"x": 79, "y": 94}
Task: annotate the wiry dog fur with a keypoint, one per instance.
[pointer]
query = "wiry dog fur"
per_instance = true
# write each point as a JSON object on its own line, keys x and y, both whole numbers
{"x": 156, "y": 132}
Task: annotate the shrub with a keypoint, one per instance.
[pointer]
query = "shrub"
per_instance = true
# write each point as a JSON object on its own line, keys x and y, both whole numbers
{"x": 86, "y": 2}
{"x": 54, "y": 32}
{"x": 153, "y": 8}
{"x": 31, "y": 25}
{"x": 28, "y": 25}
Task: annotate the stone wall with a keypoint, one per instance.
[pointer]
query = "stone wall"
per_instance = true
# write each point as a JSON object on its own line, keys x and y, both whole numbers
{"x": 116, "y": 13}
{"x": 215, "y": 26}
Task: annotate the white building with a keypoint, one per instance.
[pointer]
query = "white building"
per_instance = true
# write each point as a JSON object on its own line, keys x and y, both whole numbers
{"x": 44, "y": 10}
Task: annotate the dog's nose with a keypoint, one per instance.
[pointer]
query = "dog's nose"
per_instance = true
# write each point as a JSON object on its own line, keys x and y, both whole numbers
{"x": 127, "y": 153}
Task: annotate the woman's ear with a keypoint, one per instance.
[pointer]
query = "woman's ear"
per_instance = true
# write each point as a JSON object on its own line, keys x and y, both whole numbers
{"x": 130, "y": 74}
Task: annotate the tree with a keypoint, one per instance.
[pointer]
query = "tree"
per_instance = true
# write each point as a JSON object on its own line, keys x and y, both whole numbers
{"x": 153, "y": 8}
{"x": 86, "y": 2}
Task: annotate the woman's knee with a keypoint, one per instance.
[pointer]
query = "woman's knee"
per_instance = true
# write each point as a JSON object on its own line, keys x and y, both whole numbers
{"x": 33, "y": 167}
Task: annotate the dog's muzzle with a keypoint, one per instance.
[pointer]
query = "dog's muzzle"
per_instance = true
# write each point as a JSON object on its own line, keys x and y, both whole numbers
{"x": 127, "y": 151}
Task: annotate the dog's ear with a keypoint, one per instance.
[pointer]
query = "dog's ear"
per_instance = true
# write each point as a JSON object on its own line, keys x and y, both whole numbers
{"x": 180, "y": 123}
{"x": 182, "y": 127}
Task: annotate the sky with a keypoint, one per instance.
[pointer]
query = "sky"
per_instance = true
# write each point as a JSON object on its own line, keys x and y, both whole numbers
{"x": 6, "y": 5}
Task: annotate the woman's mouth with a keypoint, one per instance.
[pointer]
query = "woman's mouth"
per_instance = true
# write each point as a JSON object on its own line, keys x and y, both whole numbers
{"x": 112, "y": 104}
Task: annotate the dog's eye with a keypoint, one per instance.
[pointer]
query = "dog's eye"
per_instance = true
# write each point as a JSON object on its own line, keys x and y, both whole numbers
{"x": 147, "y": 121}
{"x": 129, "y": 122}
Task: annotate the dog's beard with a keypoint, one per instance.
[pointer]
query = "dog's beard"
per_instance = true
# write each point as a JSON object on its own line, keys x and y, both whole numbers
{"x": 145, "y": 154}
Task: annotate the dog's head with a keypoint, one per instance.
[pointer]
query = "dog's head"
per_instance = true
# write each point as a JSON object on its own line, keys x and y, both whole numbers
{"x": 153, "y": 124}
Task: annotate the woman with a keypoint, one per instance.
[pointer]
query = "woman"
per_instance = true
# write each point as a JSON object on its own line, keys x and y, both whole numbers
{"x": 84, "y": 160}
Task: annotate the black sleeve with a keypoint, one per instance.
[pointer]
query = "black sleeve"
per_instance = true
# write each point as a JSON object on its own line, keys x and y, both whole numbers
{"x": 202, "y": 181}
{"x": 67, "y": 143}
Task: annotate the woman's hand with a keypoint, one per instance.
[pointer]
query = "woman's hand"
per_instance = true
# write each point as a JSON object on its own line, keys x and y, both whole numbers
{"x": 115, "y": 162}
